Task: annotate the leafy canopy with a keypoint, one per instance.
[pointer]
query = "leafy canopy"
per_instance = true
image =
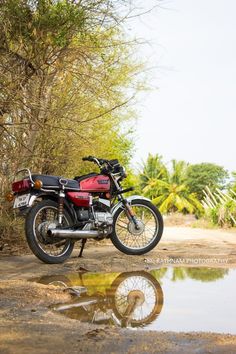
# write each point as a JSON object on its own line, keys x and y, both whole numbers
{"x": 205, "y": 174}
{"x": 167, "y": 187}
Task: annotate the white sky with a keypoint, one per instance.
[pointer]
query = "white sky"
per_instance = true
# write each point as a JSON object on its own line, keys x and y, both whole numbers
{"x": 191, "y": 116}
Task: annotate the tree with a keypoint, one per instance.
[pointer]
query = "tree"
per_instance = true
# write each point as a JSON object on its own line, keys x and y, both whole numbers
{"x": 206, "y": 274}
{"x": 168, "y": 189}
{"x": 65, "y": 76}
{"x": 205, "y": 174}
{"x": 198, "y": 273}
{"x": 220, "y": 207}
{"x": 153, "y": 170}
{"x": 232, "y": 184}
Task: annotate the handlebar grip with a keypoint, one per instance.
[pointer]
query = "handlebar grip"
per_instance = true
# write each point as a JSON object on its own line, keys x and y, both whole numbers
{"x": 95, "y": 160}
{"x": 88, "y": 158}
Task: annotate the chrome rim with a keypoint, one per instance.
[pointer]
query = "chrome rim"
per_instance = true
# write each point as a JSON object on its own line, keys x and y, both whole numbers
{"x": 148, "y": 223}
{"x": 49, "y": 214}
{"x": 136, "y": 299}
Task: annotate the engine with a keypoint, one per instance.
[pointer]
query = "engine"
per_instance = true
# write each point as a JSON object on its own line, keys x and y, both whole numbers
{"x": 103, "y": 219}
{"x": 98, "y": 219}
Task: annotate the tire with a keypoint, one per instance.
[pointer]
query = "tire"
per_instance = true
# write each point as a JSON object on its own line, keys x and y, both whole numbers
{"x": 131, "y": 281}
{"x": 33, "y": 236}
{"x": 117, "y": 239}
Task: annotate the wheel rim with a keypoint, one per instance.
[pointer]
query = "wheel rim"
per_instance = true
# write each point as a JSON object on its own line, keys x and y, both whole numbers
{"x": 148, "y": 222}
{"x": 49, "y": 214}
{"x": 147, "y": 300}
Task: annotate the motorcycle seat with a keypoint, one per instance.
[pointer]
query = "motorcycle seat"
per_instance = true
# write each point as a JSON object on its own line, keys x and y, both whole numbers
{"x": 53, "y": 182}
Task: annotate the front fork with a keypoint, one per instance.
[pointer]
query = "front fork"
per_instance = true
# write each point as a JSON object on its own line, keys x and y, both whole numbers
{"x": 130, "y": 213}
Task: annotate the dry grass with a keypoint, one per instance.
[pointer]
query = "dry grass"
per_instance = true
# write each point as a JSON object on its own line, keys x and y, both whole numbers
{"x": 12, "y": 238}
{"x": 178, "y": 219}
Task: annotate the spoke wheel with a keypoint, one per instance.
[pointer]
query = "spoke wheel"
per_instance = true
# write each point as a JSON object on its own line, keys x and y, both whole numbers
{"x": 43, "y": 216}
{"x": 138, "y": 298}
{"x": 131, "y": 240}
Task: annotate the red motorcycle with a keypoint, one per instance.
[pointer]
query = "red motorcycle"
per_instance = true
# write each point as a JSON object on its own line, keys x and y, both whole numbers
{"x": 60, "y": 211}
{"x": 133, "y": 299}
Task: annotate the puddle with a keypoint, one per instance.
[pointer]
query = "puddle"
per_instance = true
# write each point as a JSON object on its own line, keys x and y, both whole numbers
{"x": 166, "y": 299}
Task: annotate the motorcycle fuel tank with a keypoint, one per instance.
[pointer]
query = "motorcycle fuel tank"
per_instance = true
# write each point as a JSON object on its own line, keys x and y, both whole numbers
{"x": 99, "y": 183}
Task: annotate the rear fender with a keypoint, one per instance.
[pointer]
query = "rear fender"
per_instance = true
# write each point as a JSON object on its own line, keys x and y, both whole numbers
{"x": 130, "y": 200}
{"x": 35, "y": 196}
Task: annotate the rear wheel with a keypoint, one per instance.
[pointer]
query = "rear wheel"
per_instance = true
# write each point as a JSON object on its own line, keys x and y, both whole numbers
{"x": 130, "y": 240}
{"x": 48, "y": 249}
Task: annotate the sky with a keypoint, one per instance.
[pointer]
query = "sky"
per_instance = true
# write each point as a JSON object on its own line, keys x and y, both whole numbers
{"x": 190, "y": 112}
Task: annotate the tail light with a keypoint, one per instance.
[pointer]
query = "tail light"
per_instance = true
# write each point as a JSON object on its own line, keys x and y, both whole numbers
{"x": 21, "y": 186}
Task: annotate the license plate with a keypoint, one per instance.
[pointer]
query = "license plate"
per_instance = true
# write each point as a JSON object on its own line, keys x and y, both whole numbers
{"x": 21, "y": 201}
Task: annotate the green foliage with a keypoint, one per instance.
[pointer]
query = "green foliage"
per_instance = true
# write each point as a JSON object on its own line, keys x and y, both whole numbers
{"x": 206, "y": 274}
{"x": 154, "y": 168}
{"x": 232, "y": 185}
{"x": 132, "y": 180}
{"x": 197, "y": 273}
{"x": 67, "y": 75}
{"x": 94, "y": 282}
{"x": 220, "y": 207}
{"x": 168, "y": 188}
{"x": 205, "y": 174}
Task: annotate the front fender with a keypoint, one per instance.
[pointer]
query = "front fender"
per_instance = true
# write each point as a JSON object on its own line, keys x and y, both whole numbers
{"x": 129, "y": 199}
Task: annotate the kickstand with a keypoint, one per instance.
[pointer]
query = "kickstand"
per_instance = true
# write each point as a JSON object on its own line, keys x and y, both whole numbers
{"x": 82, "y": 247}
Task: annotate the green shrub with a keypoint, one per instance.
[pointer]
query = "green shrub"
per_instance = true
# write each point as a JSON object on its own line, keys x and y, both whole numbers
{"x": 220, "y": 208}
{"x": 12, "y": 237}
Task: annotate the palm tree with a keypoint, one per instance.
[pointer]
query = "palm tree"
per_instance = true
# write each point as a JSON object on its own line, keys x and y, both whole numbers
{"x": 153, "y": 170}
{"x": 168, "y": 189}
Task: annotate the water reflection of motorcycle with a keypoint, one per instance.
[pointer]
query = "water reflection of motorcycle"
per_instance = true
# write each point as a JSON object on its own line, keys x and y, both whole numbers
{"x": 134, "y": 299}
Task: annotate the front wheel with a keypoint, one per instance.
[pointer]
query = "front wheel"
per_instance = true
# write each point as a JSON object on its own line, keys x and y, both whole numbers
{"x": 130, "y": 240}
{"x": 138, "y": 298}
{"x": 41, "y": 217}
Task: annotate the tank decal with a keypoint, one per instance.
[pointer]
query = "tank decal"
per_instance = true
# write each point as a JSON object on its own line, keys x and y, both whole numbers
{"x": 103, "y": 181}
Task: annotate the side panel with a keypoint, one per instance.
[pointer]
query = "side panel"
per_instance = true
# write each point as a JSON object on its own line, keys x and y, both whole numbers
{"x": 80, "y": 199}
{"x": 98, "y": 183}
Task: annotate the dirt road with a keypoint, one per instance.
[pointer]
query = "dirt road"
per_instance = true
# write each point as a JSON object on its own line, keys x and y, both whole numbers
{"x": 27, "y": 325}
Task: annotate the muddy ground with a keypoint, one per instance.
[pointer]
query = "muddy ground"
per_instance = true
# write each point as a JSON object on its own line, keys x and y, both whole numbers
{"x": 27, "y": 325}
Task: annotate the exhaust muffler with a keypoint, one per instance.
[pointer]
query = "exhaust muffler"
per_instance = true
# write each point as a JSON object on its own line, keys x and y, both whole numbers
{"x": 77, "y": 234}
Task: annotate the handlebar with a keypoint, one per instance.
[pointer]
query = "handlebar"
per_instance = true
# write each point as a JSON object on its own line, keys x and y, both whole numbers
{"x": 88, "y": 158}
{"x": 107, "y": 166}
{"x": 96, "y": 160}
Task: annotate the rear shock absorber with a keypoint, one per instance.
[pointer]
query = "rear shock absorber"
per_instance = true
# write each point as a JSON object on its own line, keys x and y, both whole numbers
{"x": 63, "y": 183}
{"x": 61, "y": 206}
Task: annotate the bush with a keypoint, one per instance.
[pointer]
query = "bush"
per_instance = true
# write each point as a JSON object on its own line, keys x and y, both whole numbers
{"x": 12, "y": 240}
{"x": 220, "y": 208}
